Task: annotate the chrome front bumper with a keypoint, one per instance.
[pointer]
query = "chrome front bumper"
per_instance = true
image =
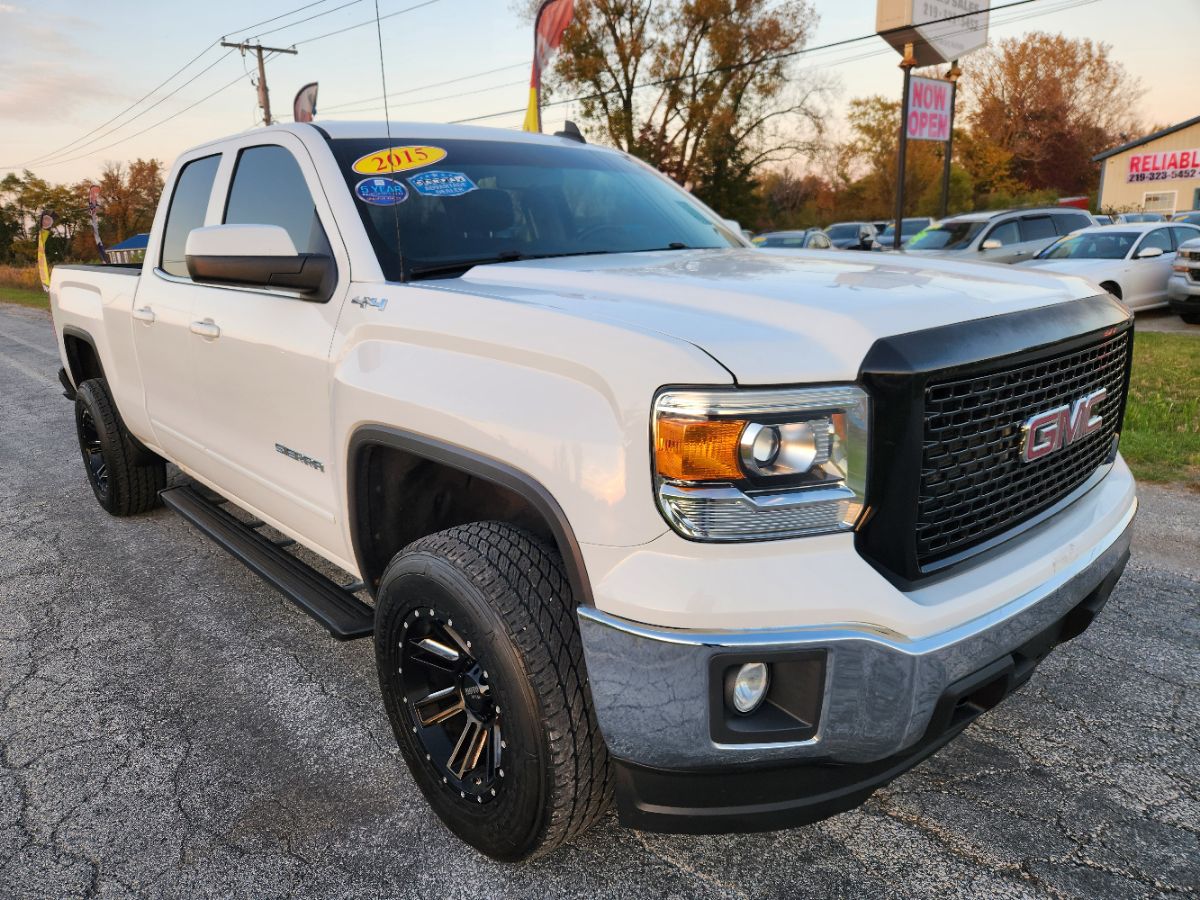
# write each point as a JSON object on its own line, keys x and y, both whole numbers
{"x": 653, "y": 697}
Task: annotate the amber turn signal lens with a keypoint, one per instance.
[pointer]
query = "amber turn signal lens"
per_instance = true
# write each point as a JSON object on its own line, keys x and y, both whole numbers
{"x": 691, "y": 450}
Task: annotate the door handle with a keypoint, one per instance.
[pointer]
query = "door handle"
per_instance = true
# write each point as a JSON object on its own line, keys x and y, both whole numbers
{"x": 145, "y": 314}
{"x": 206, "y": 329}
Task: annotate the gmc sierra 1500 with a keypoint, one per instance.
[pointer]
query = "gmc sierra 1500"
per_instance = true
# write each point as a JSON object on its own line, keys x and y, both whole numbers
{"x": 631, "y": 508}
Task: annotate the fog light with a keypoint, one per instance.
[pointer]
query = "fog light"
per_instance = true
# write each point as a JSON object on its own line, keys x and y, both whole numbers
{"x": 746, "y": 687}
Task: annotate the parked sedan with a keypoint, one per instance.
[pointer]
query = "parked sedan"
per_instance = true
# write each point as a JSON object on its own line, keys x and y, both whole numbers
{"x": 909, "y": 229}
{"x": 809, "y": 239}
{"x": 1190, "y": 216}
{"x": 1131, "y": 262}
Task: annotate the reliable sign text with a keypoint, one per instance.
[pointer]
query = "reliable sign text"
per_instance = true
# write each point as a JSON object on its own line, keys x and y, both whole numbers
{"x": 1164, "y": 166}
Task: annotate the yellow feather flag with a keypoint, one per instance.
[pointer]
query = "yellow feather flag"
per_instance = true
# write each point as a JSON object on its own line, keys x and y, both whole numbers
{"x": 46, "y": 222}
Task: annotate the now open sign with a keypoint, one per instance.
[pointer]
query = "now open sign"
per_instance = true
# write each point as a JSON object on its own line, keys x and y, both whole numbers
{"x": 929, "y": 101}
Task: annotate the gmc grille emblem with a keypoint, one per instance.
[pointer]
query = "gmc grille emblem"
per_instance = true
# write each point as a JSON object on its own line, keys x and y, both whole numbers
{"x": 1050, "y": 431}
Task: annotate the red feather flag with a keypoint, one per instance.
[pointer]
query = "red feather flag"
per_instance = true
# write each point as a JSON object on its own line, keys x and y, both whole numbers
{"x": 551, "y": 23}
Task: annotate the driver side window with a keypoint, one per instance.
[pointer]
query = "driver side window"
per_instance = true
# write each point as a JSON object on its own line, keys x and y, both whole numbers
{"x": 269, "y": 189}
{"x": 1160, "y": 238}
{"x": 1006, "y": 233}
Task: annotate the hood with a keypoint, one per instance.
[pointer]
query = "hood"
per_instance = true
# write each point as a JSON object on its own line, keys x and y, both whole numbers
{"x": 772, "y": 317}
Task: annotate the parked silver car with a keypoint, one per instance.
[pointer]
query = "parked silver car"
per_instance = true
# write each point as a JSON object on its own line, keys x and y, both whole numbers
{"x": 808, "y": 239}
{"x": 1004, "y": 236}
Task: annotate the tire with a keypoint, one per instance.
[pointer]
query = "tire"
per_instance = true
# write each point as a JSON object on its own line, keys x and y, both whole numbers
{"x": 1113, "y": 288}
{"x": 1190, "y": 318}
{"x": 124, "y": 476}
{"x": 497, "y": 596}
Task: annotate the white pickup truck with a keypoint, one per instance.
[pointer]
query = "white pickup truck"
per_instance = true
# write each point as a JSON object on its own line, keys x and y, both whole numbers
{"x": 631, "y": 508}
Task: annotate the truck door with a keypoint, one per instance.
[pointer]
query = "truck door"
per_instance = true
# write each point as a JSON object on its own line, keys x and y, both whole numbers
{"x": 261, "y": 356}
{"x": 162, "y": 315}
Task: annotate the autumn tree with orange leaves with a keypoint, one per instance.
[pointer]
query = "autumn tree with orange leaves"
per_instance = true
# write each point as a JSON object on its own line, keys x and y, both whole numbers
{"x": 701, "y": 89}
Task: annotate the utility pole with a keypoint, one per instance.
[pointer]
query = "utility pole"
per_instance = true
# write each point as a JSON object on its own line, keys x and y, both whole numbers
{"x": 264, "y": 98}
{"x": 952, "y": 76}
{"x": 907, "y": 65}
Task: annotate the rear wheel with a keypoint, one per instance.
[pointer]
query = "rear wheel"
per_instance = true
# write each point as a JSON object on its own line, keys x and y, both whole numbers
{"x": 481, "y": 670}
{"x": 1191, "y": 318}
{"x": 124, "y": 476}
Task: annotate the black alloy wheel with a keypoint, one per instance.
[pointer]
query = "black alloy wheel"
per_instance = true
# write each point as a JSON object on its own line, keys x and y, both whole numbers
{"x": 451, "y": 705}
{"x": 124, "y": 475}
{"x": 93, "y": 454}
{"x": 482, "y": 675}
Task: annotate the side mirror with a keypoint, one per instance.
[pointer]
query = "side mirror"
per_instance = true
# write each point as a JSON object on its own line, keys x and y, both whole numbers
{"x": 990, "y": 244}
{"x": 1149, "y": 252}
{"x": 258, "y": 256}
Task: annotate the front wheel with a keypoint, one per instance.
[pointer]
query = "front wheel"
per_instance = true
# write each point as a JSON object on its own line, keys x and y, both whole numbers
{"x": 482, "y": 674}
{"x": 1190, "y": 318}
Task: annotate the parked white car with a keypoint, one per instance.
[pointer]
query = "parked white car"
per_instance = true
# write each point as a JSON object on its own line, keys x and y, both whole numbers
{"x": 1131, "y": 262}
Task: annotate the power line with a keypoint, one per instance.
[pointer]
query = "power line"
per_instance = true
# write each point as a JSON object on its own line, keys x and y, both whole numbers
{"x": 292, "y": 12}
{"x": 164, "y": 121}
{"x": 77, "y": 140}
{"x": 43, "y": 159}
{"x": 48, "y": 159}
{"x": 484, "y": 90}
{"x": 425, "y": 87}
{"x": 398, "y": 12}
{"x": 764, "y": 59}
{"x": 262, "y": 34}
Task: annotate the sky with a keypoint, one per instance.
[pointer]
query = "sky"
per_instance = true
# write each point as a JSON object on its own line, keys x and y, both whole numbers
{"x": 67, "y": 68}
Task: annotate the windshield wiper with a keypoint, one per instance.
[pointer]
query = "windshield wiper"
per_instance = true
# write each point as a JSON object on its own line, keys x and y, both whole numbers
{"x": 462, "y": 265}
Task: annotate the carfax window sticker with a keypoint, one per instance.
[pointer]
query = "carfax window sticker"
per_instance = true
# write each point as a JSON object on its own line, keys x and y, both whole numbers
{"x": 381, "y": 191}
{"x": 398, "y": 159}
{"x": 441, "y": 184}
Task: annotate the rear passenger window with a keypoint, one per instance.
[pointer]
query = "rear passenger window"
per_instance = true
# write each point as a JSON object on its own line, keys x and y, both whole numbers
{"x": 189, "y": 203}
{"x": 269, "y": 189}
{"x": 1037, "y": 228}
{"x": 1068, "y": 222}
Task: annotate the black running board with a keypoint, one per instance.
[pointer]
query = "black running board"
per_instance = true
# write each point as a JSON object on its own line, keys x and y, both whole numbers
{"x": 344, "y": 615}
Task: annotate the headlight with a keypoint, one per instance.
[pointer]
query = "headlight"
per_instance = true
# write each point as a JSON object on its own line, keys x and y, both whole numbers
{"x": 745, "y": 465}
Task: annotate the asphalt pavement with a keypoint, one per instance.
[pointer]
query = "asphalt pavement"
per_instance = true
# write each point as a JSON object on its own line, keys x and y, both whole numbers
{"x": 170, "y": 726}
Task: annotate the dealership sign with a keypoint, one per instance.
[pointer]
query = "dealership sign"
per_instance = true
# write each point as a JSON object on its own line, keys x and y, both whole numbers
{"x": 929, "y": 101}
{"x": 1164, "y": 166}
{"x": 939, "y": 30}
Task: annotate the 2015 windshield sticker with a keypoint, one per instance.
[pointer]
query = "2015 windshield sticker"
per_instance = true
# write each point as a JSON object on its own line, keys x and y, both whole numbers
{"x": 381, "y": 191}
{"x": 398, "y": 159}
{"x": 441, "y": 184}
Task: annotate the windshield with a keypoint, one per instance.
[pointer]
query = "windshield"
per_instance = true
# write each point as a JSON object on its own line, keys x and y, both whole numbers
{"x": 1092, "y": 245}
{"x": 450, "y": 204}
{"x": 946, "y": 236}
{"x": 841, "y": 232}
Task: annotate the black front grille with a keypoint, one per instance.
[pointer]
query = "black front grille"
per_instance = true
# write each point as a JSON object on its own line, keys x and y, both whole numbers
{"x": 973, "y": 484}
